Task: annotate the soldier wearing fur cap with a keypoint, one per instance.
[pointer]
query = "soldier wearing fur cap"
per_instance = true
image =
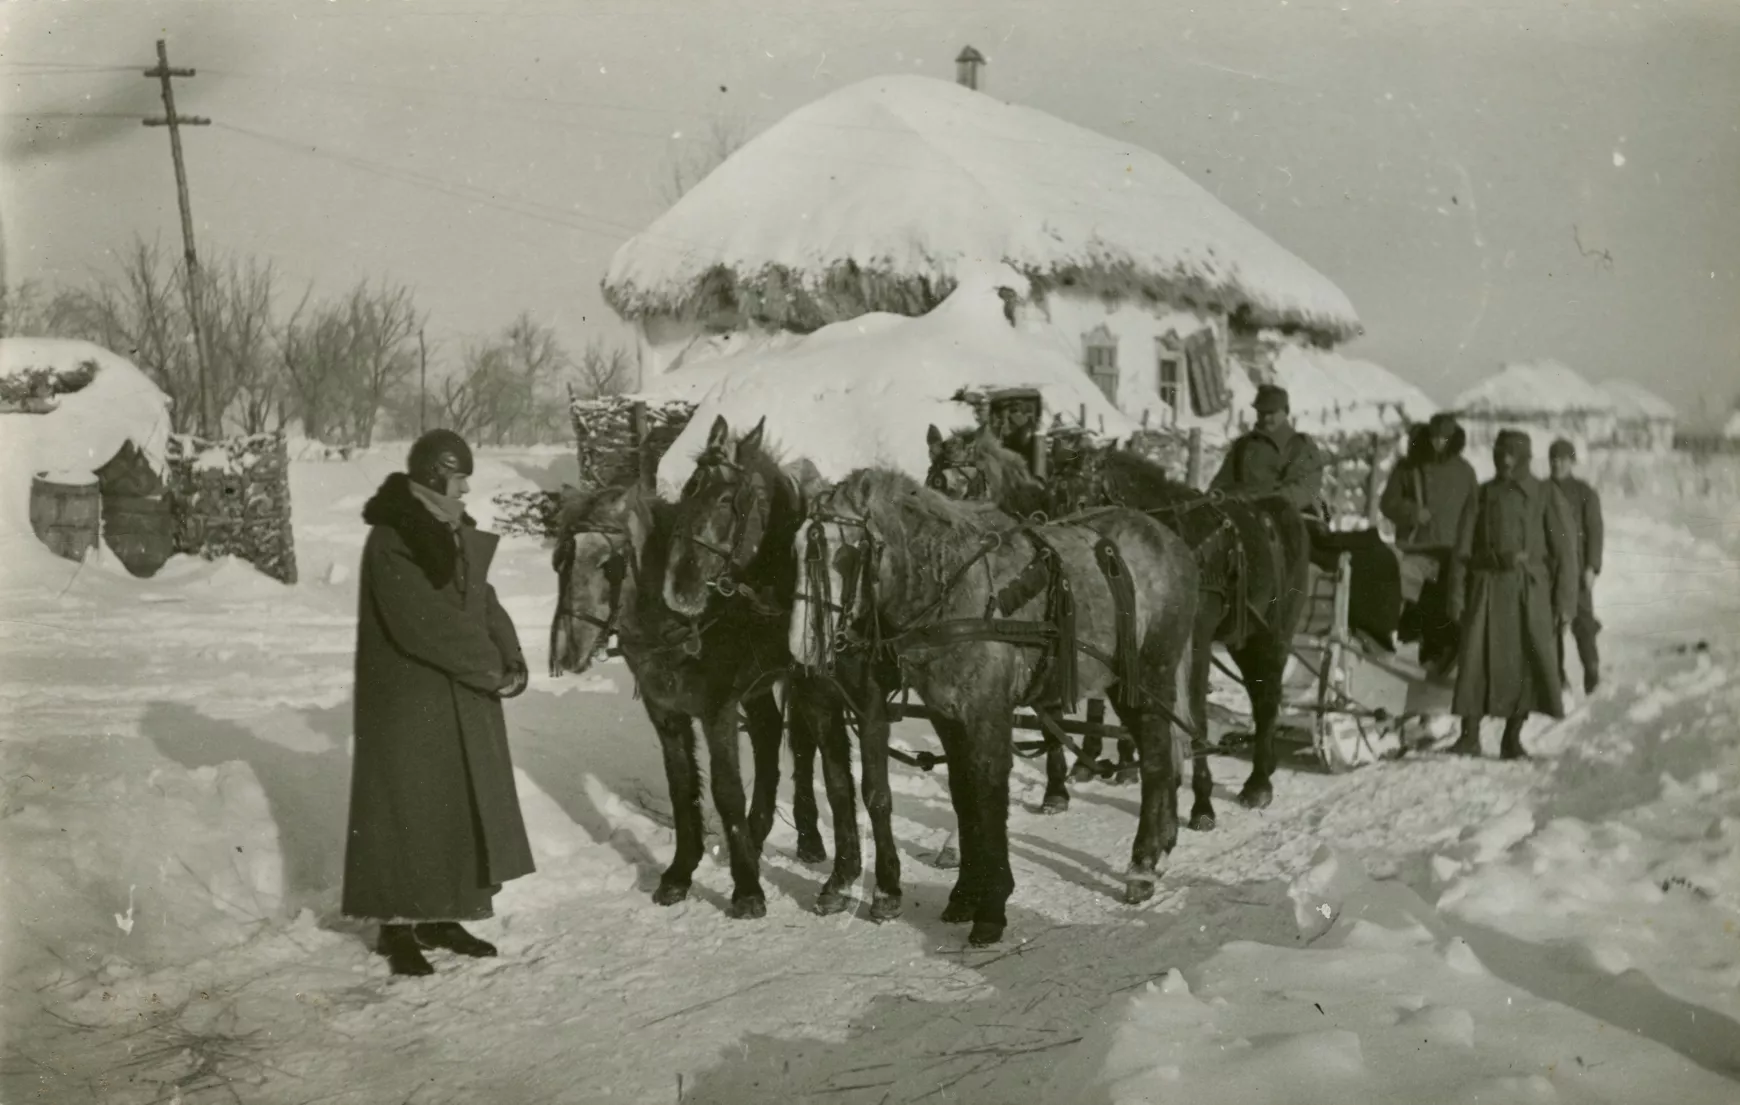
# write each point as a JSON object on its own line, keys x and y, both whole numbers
{"x": 435, "y": 826}
{"x": 1274, "y": 458}
{"x": 1513, "y": 586}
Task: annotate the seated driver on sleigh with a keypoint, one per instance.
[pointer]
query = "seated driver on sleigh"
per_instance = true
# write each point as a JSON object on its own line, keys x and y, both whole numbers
{"x": 1275, "y": 459}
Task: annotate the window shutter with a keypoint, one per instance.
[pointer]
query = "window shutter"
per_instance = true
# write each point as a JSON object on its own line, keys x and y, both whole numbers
{"x": 1209, "y": 394}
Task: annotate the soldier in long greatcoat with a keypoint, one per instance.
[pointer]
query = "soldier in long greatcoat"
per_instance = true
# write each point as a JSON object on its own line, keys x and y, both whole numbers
{"x": 435, "y": 826}
{"x": 1513, "y": 585}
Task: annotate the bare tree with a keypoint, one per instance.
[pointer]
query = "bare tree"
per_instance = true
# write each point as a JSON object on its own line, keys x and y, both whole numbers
{"x": 313, "y": 346}
{"x": 725, "y": 135}
{"x": 603, "y": 370}
{"x": 382, "y": 325}
{"x": 141, "y": 313}
{"x": 237, "y": 309}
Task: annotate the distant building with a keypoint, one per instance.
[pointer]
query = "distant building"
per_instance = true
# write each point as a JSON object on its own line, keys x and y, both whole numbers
{"x": 1545, "y": 398}
{"x": 1644, "y": 419}
{"x": 878, "y": 198}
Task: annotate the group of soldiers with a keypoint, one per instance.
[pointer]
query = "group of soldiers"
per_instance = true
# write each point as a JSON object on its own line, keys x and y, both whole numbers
{"x": 1493, "y": 574}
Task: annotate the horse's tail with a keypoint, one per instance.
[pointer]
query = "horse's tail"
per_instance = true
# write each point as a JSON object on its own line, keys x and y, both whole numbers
{"x": 1184, "y": 735}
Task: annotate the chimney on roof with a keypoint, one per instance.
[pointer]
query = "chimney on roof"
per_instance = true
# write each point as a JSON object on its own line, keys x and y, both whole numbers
{"x": 967, "y": 68}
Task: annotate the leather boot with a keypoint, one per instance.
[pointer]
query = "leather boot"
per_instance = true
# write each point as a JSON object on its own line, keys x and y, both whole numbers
{"x": 1468, "y": 744}
{"x": 399, "y": 944}
{"x": 1510, "y": 747}
{"x": 453, "y": 937}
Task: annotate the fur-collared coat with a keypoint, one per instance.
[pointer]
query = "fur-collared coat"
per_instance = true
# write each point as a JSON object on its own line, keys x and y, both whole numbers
{"x": 1441, "y": 485}
{"x": 1514, "y": 575}
{"x": 435, "y": 825}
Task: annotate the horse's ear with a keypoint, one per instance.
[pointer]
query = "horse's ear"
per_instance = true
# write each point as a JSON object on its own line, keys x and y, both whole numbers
{"x": 717, "y": 435}
{"x": 933, "y": 438}
{"x": 751, "y": 440}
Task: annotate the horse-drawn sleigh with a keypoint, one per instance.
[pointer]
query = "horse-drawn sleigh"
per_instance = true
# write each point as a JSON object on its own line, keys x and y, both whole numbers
{"x": 854, "y": 595}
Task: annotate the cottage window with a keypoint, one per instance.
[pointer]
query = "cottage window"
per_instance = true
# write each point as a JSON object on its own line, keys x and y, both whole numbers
{"x": 1170, "y": 378}
{"x": 1100, "y": 357}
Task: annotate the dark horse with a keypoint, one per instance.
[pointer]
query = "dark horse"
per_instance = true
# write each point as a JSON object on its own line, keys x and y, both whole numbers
{"x": 1254, "y": 556}
{"x": 611, "y": 556}
{"x": 732, "y": 557}
{"x": 893, "y": 566}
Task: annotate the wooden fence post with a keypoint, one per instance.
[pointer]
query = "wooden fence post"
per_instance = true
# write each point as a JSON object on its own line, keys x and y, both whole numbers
{"x": 1193, "y": 463}
{"x": 637, "y": 431}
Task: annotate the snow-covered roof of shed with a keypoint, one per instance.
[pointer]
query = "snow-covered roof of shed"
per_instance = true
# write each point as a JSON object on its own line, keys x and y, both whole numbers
{"x": 1328, "y": 391}
{"x": 874, "y": 195}
{"x": 89, "y": 426}
{"x": 862, "y": 392}
{"x": 1541, "y": 387}
{"x": 1636, "y": 401}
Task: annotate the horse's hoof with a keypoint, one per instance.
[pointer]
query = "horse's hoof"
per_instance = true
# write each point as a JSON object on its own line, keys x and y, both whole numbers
{"x": 1083, "y": 772}
{"x": 885, "y": 907}
{"x": 1256, "y": 798}
{"x": 749, "y": 908}
{"x": 1127, "y": 776}
{"x": 831, "y": 901}
{"x": 986, "y": 933}
{"x": 948, "y": 859}
{"x": 1139, "y": 890}
{"x": 1202, "y": 822}
{"x": 959, "y": 913}
{"x": 1056, "y": 803}
{"x": 812, "y": 851}
{"x": 670, "y": 893}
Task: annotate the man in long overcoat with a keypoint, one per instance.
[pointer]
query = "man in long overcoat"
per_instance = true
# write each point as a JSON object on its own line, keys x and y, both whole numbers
{"x": 1585, "y": 506}
{"x": 1424, "y": 499}
{"x": 1274, "y": 458}
{"x": 435, "y": 826}
{"x": 1513, "y": 584}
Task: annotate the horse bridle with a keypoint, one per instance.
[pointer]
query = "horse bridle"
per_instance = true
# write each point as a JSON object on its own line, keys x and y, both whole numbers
{"x": 621, "y": 554}
{"x": 833, "y": 623}
{"x": 726, "y": 582}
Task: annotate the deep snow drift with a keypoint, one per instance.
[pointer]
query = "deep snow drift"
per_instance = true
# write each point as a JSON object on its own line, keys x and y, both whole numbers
{"x": 174, "y": 762}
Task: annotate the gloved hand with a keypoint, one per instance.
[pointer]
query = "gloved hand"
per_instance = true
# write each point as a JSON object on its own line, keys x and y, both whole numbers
{"x": 1589, "y": 578}
{"x": 1422, "y": 516}
{"x": 515, "y": 679}
{"x": 1453, "y": 608}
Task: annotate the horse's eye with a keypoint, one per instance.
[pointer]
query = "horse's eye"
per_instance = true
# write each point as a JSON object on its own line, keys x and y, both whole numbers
{"x": 614, "y": 570}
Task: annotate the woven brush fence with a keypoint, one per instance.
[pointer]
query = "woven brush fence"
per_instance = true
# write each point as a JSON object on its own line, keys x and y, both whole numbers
{"x": 232, "y": 498}
{"x": 610, "y": 453}
{"x": 620, "y": 441}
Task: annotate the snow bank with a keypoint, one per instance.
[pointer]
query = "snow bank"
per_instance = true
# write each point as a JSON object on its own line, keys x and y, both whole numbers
{"x": 862, "y": 392}
{"x": 1387, "y": 1003}
{"x": 909, "y": 177}
{"x": 1333, "y": 393}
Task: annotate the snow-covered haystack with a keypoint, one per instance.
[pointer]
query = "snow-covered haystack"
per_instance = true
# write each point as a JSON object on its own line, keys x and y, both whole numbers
{"x": 873, "y": 197}
{"x": 863, "y": 392}
{"x": 1333, "y": 394}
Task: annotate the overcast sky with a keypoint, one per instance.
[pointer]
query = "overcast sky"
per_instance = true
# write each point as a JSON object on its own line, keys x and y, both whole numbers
{"x": 1488, "y": 181}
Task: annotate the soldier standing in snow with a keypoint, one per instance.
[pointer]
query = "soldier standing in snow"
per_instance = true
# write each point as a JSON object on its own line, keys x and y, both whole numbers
{"x": 1585, "y": 506}
{"x": 1513, "y": 585}
{"x": 1424, "y": 499}
{"x": 435, "y": 825}
{"x": 1274, "y": 458}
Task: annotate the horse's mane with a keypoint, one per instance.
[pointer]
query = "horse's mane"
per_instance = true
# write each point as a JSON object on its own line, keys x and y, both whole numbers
{"x": 1131, "y": 476}
{"x": 872, "y": 491}
{"x": 577, "y": 507}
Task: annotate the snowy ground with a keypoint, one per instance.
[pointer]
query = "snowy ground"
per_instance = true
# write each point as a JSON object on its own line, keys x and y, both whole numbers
{"x": 173, "y": 783}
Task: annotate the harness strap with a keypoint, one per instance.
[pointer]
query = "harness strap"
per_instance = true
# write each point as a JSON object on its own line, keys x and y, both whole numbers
{"x": 1123, "y": 589}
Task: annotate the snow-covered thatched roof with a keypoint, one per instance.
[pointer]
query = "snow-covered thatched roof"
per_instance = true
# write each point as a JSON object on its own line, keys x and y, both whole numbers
{"x": 1636, "y": 401}
{"x": 1543, "y": 387}
{"x": 862, "y": 392}
{"x": 84, "y": 429}
{"x": 870, "y": 199}
{"x": 1330, "y": 392}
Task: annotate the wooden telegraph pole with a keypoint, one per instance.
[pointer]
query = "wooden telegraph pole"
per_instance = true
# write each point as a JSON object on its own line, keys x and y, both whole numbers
{"x": 175, "y": 122}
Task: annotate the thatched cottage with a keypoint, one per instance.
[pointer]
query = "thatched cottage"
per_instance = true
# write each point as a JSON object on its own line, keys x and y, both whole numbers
{"x": 877, "y": 197}
{"x": 1644, "y": 419}
{"x": 1546, "y": 398}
